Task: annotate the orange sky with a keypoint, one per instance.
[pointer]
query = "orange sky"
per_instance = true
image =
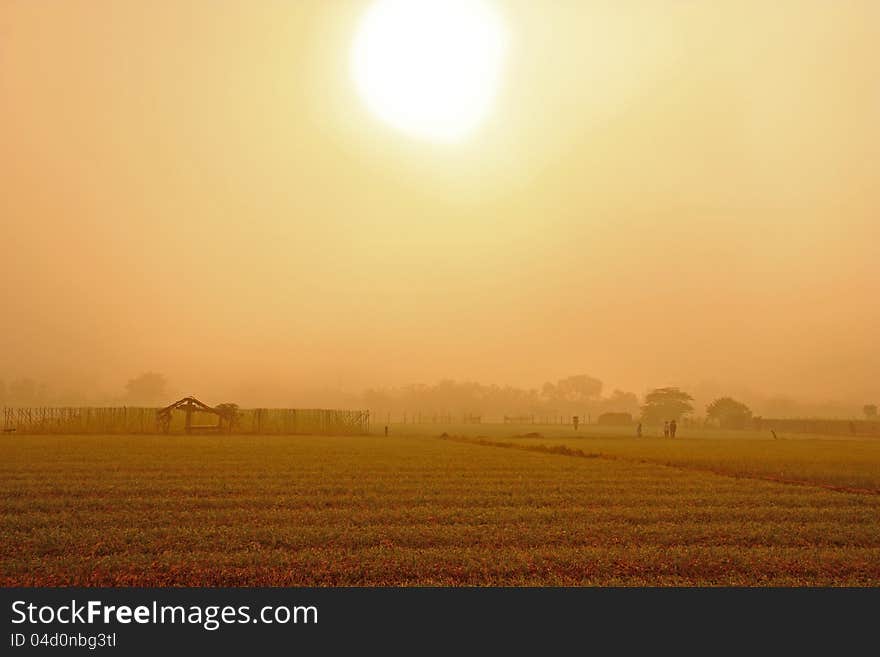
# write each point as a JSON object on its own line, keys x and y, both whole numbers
{"x": 664, "y": 193}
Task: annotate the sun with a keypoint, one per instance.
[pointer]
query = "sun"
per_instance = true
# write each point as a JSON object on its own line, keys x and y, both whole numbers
{"x": 430, "y": 68}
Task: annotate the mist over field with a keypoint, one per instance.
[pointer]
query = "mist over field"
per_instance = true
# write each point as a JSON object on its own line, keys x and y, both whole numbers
{"x": 666, "y": 194}
{"x": 441, "y": 293}
{"x": 445, "y": 400}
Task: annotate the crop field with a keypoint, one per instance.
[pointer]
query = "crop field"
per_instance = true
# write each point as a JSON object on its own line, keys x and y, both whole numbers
{"x": 425, "y": 510}
{"x": 848, "y": 465}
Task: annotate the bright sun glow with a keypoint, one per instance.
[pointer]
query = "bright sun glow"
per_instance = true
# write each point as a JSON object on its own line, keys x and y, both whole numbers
{"x": 430, "y": 68}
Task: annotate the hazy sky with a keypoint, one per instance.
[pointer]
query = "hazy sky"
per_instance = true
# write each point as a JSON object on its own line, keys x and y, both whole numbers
{"x": 663, "y": 192}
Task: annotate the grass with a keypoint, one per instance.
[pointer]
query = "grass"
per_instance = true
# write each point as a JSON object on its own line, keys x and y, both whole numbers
{"x": 230, "y": 510}
{"x": 835, "y": 463}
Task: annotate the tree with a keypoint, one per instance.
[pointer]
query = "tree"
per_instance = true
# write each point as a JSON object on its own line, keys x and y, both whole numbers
{"x": 579, "y": 389}
{"x": 665, "y": 404}
{"x": 573, "y": 391}
{"x": 729, "y": 413}
{"x": 870, "y": 411}
{"x": 618, "y": 402}
{"x": 229, "y": 415}
{"x": 148, "y": 388}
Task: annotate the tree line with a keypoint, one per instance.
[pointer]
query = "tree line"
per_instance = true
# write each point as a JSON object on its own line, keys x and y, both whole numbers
{"x": 580, "y": 395}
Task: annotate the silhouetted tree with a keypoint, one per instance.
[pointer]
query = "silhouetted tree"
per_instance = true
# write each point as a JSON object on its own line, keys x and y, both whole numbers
{"x": 870, "y": 411}
{"x": 578, "y": 389}
{"x": 229, "y": 414}
{"x": 148, "y": 388}
{"x": 662, "y": 404}
{"x": 618, "y": 402}
{"x": 576, "y": 395}
{"x": 729, "y": 413}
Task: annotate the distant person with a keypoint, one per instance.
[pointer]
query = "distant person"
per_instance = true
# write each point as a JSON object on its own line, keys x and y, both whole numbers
{"x": 666, "y": 429}
{"x": 673, "y": 427}
{"x": 386, "y": 430}
{"x": 639, "y": 430}
{"x": 575, "y": 420}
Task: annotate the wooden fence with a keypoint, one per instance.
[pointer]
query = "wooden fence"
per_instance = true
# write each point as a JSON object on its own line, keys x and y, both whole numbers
{"x": 297, "y": 420}
{"x": 134, "y": 420}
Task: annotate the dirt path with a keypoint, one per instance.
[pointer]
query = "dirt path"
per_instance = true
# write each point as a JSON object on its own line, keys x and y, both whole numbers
{"x": 578, "y": 453}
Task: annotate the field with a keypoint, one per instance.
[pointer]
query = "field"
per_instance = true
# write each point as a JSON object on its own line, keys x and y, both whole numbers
{"x": 423, "y": 510}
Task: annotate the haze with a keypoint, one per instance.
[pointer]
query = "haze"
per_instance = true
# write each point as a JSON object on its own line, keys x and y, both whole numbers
{"x": 663, "y": 193}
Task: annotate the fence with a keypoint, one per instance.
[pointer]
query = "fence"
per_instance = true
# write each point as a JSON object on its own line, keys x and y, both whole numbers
{"x": 281, "y": 421}
{"x": 295, "y": 420}
{"x": 134, "y": 420}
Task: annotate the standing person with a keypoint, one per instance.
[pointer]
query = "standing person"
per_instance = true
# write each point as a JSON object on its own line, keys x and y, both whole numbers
{"x": 666, "y": 429}
{"x": 639, "y": 430}
{"x": 673, "y": 427}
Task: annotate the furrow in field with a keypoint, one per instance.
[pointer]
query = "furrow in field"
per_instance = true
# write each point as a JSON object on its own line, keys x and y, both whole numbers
{"x": 564, "y": 450}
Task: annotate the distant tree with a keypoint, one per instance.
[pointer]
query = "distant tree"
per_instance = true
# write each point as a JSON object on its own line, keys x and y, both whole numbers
{"x": 576, "y": 395}
{"x": 870, "y": 411}
{"x": 579, "y": 389}
{"x": 229, "y": 414}
{"x": 729, "y": 413}
{"x": 663, "y": 404}
{"x": 618, "y": 402}
{"x": 148, "y": 388}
